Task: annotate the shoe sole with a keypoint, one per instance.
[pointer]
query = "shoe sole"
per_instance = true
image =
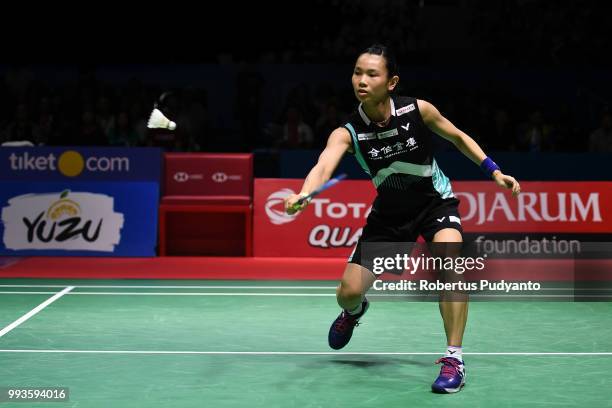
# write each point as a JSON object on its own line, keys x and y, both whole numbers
{"x": 447, "y": 390}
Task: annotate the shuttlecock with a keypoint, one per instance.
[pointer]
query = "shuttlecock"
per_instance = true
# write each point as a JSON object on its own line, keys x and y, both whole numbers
{"x": 158, "y": 120}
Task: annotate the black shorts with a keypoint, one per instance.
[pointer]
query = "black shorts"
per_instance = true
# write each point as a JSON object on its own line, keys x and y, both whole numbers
{"x": 384, "y": 228}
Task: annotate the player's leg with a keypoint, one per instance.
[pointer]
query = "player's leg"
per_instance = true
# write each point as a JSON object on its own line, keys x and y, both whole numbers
{"x": 454, "y": 310}
{"x": 350, "y": 295}
{"x": 442, "y": 228}
{"x": 453, "y": 304}
{"x": 355, "y": 282}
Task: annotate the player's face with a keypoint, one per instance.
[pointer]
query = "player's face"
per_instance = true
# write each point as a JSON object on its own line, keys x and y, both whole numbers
{"x": 371, "y": 82}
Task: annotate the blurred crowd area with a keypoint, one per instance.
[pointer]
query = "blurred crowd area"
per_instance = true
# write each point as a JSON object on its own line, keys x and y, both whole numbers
{"x": 503, "y": 32}
{"x": 524, "y": 35}
{"x": 91, "y": 112}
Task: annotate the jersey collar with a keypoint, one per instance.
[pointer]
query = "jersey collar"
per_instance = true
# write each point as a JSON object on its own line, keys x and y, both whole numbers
{"x": 365, "y": 117}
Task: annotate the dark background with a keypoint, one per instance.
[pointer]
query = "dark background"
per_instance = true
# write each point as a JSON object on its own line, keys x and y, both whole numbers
{"x": 518, "y": 76}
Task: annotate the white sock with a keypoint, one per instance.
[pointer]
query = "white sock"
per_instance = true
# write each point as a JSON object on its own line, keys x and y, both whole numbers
{"x": 356, "y": 310}
{"x": 454, "y": 351}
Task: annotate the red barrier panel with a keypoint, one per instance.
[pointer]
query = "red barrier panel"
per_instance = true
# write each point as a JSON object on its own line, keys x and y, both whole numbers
{"x": 208, "y": 203}
{"x": 208, "y": 175}
{"x": 280, "y": 268}
{"x": 331, "y": 224}
{"x": 573, "y": 207}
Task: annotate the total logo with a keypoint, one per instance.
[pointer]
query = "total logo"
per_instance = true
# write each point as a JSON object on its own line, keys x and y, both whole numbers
{"x": 275, "y": 207}
{"x": 325, "y": 234}
{"x": 69, "y": 163}
{"x": 323, "y": 208}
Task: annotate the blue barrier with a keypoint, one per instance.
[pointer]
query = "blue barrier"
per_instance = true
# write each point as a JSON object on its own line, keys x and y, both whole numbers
{"x": 80, "y": 163}
{"x": 79, "y": 201}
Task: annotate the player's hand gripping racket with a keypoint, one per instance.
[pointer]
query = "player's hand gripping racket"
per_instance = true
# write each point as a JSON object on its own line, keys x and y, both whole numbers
{"x": 331, "y": 182}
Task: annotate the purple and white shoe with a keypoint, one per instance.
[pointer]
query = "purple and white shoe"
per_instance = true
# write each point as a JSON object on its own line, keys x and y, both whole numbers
{"x": 341, "y": 329}
{"x": 451, "y": 378}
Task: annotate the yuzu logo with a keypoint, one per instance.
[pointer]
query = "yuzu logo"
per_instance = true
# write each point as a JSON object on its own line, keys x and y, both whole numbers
{"x": 63, "y": 206}
{"x": 68, "y": 221}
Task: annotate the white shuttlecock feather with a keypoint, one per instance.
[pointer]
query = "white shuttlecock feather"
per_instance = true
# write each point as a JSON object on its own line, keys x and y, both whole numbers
{"x": 158, "y": 120}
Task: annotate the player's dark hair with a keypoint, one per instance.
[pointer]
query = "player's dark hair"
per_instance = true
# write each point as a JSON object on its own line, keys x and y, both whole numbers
{"x": 387, "y": 54}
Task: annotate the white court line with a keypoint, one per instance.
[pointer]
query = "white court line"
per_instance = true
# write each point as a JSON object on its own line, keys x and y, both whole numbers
{"x": 35, "y": 310}
{"x": 299, "y": 353}
{"x": 372, "y": 295}
{"x": 170, "y": 287}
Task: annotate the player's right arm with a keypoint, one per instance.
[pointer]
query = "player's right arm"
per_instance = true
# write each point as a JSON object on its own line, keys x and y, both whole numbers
{"x": 338, "y": 143}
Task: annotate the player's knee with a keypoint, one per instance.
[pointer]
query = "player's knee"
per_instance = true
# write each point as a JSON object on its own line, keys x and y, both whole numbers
{"x": 348, "y": 290}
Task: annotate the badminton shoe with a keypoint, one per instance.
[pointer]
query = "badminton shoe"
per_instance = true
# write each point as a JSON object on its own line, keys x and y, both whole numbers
{"x": 451, "y": 378}
{"x": 341, "y": 330}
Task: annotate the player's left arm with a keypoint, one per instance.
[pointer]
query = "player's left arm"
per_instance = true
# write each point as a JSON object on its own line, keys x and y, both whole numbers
{"x": 466, "y": 145}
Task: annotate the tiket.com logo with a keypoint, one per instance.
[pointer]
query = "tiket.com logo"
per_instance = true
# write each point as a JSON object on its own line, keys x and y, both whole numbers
{"x": 70, "y": 163}
{"x": 72, "y": 221}
{"x": 278, "y": 216}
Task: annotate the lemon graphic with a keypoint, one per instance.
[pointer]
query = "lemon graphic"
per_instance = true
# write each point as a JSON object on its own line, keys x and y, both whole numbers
{"x": 63, "y": 206}
{"x": 71, "y": 163}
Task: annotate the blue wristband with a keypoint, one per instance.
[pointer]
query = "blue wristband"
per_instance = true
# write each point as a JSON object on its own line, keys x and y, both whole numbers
{"x": 489, "y": 166}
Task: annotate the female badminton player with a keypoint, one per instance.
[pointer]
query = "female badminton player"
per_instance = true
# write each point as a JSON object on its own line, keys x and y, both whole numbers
{"x": 391, "y": 138}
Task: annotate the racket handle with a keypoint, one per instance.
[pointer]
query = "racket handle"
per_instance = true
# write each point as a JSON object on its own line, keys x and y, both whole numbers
{"x": 301, "y": 200}
{"x": 316, "y": 192}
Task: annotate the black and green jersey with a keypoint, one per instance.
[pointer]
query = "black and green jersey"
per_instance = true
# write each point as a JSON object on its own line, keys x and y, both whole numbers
{"x": 399, "y": 158}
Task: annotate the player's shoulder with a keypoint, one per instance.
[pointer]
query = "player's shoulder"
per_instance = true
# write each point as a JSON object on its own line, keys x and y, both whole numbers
{"x": 403, "y": 99}
{"x": 340, "y": 137}
{"x": 340, "y": 131}
{"x": 405, "y": 104}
